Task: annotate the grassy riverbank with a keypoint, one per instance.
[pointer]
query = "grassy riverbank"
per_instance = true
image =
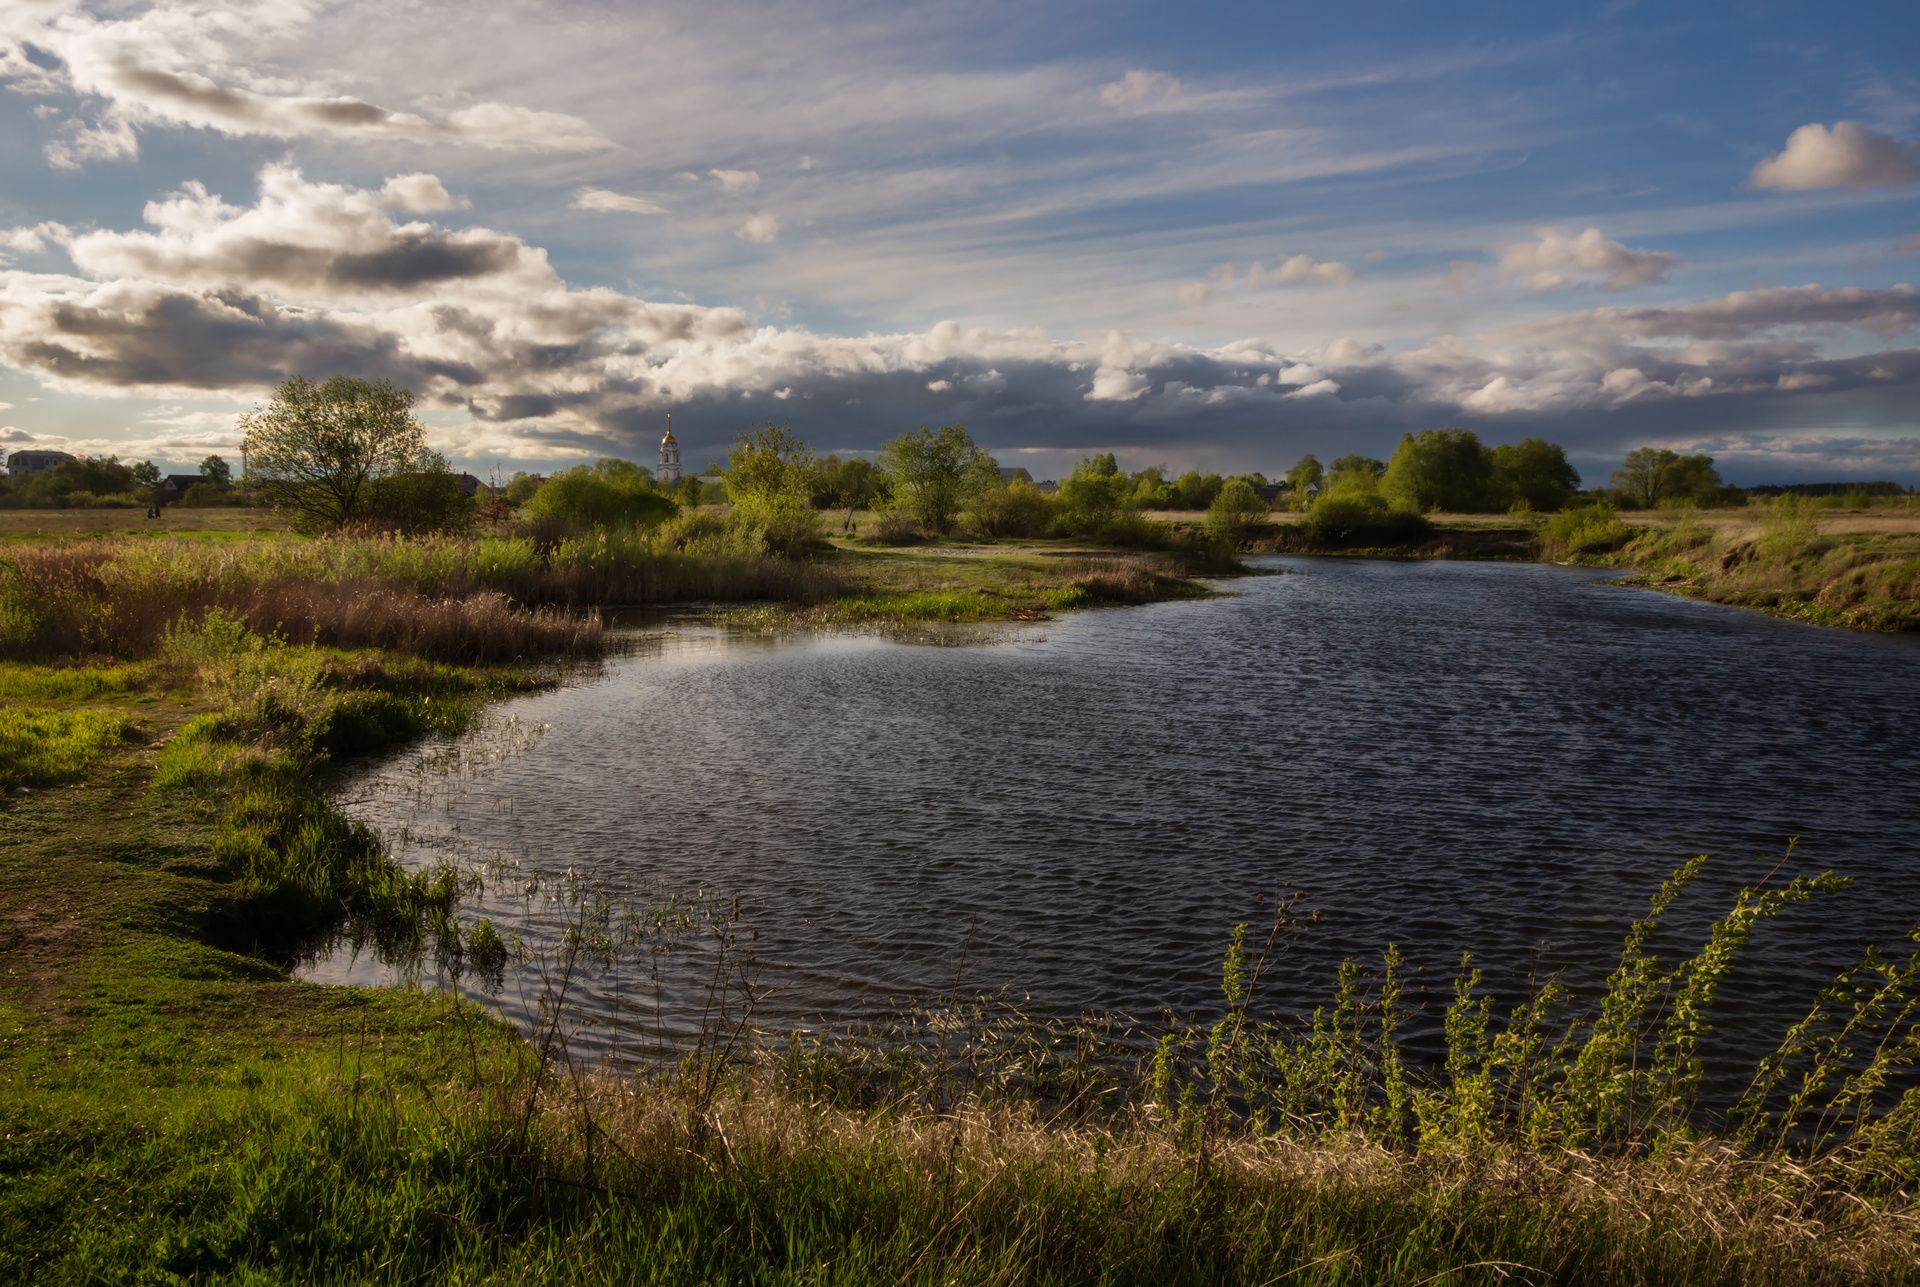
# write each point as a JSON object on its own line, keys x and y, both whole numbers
{"x": 174, "y": 1107}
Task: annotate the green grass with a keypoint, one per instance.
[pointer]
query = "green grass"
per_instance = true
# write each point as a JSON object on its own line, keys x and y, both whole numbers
{"x": 39, "y": 747}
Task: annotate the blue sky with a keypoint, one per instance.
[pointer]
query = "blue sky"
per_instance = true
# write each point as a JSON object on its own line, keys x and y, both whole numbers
{"x": 1211, "y": 235}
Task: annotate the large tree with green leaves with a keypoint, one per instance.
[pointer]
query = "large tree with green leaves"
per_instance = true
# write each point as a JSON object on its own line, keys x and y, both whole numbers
{"x": 322, "y": 450}
{"x": 1304, "y": 480}
{"x": 1654, "y": 476}
{"x": 931, "y": 474}
{"x": 769, "y": 481}
{"x": 1535, "y": 471}
{"x": 1444, "y": 469}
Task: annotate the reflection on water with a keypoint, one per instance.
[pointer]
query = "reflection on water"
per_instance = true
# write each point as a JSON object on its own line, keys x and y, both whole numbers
{"x": 1507, "y": 758}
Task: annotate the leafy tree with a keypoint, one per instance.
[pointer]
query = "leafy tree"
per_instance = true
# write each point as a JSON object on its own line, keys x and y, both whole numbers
{"x": 846, "y": 484}
{"x": 427, "y": 498}
{"x": 1235, "y": 511}
{"x": 1192, "y": 491}
{"x": 81, "y": 481}
{"x": 932, "y": 474}
{"x": 1306, "y": 473}
{"x": 1151, "y": 489}
{"x": 1652, "y": 476}
{"x": 608, "y": 494}
{"x": 1014, "y": 508}
{"x": 1445, "y": 469}
{"x": 1355, "y": 466}
{"x": 769, "y": 480}
{"x": 1535, "y": 471}
{"x": 1095, "y": 496}
{"x": 215, "y": 472}
{"x": 320, "y": 450}
{"x": 522, "y": 486}
{"x": 146, "y": 474}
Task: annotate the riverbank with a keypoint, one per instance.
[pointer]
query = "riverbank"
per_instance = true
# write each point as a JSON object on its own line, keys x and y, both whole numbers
{"x": 172, "y": 1103}
{"x": 1857, "y": 569}
{"x": 170, "y": 1106}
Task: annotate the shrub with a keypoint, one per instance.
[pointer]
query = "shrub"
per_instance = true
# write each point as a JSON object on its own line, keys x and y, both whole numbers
{"x": 1235, "y": 511}
{"x": 607, "y": 494}
{"x": 1015, "y": 509}
{"x": 1594, "y": 528}
{"x": 1347, "y": 520}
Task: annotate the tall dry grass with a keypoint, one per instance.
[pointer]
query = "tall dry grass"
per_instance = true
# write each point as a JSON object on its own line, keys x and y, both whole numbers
{"x": 448, "y": 598}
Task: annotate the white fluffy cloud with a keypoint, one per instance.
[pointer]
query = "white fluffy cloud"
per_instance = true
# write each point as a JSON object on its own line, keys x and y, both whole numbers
{"x": 1846, "y": 156}
{"x": 624, "y": 203}
{"x": 762, "y": 226}
{"x": 1555, "y": 260}
{"x": 736, "y": 180}
{"x": 212, "y": 298}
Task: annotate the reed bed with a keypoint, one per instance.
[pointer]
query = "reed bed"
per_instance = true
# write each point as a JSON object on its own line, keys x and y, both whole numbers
{"x": 451, "y": 598}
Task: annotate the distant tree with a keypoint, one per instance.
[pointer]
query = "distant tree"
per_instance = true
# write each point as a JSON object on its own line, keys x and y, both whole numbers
{"x": 1534, "y": 471}
{"x": 522, "y": 486}
{"x": 1441, "y": 469}
{"x": 426, "y": 498}
{"x": 1306, "y": 474}
{"x": 146, "y": 474}
{"x": 1192, "y": 491}
{"x": 845, "y": 484}
{"x": 932, "y": 474}
{"x": 215, "y": 472}
{"x": 1654, "y": 476}
{"x": 608, "y": 494}
{"x": 1011, "y": 509}
{"x": 769, "y": 480}
{"x": 320, "y": 450}
{"x": 1151, "y": 489}
{"x": 1094, "y": 496}
{"x": 1356, "y": 465}
{"x": 1235, "y": 511}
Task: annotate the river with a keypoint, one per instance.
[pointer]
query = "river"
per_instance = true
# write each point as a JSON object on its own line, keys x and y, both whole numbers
{"x": 1505, "y": 758}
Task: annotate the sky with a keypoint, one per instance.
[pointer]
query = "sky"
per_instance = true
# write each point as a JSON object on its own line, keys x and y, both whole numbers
{"x": 1215, "y": 236}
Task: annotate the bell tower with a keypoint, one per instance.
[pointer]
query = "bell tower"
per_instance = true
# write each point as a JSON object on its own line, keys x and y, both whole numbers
{"x": 669, "y": 471}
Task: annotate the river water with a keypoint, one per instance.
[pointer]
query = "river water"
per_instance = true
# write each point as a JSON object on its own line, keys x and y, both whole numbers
{"x": 1446, "y": 756}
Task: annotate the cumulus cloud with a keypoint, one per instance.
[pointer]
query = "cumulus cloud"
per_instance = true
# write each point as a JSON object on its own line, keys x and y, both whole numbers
{"x": 212, "y": 298}
{"x": 736, "y": 180}
{"x": 174, "y": 64}
{"x": 606, "y": 201}
{"x": 1193, "y": 292}
{"x": 1139, "y": 86}
{"x": 763, "y": 226}
{"x": 420, "y": 194}
{"x": 1555, "y": 260}
{"x": 1845, "y": 156}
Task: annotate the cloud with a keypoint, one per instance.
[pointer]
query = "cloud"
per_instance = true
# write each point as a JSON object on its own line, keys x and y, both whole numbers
{"x": 1846, "y": 156}
{"x": 1139, "y": 86}
{"x": 1301, "y": 270}
{"x": 177, "y": 65}
{"x": 736, "y": 180}
{"x": 1556, "y": 260}
{"x": 762, "y": 226}
{"x": 1907, "y": 245}
{"x": 603, "y": 200}
{"x": 420, "y": 194}
{"x": 1193, "y": 292}
{"x": 209, "y": 298}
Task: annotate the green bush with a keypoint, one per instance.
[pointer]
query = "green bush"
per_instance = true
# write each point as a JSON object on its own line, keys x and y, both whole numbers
{"x": 1235, "y": 511}
{"x": 1356, "y": 519}
{"x": 1594, "y": 528}
{"x": 606, "y": 495}
{"x": 1015, "y": 509}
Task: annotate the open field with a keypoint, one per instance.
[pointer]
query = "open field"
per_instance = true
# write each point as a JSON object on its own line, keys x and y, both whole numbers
{"x": 57, "y": 524}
